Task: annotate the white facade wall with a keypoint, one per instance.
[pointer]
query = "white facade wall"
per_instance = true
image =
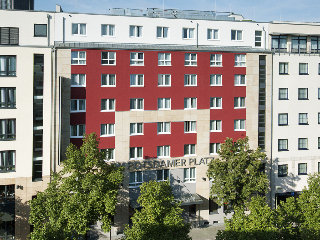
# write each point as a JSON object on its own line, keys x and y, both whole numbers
{"x": 149, "y": 30}
{"x": 25, "y": 21}
{"x": 24, "y": 110}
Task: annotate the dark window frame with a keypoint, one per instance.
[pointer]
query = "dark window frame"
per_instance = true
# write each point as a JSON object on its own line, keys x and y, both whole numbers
{"x": 7, "y": 71}
{"x": 283, "y": 170}
{"x": 34, "y": 30}
{"x": 12, "y": 34}
{"x": 307, "y": 98}
{"x": 286, "y": 68}
{"x": 6, "y": 167}
{"x": 303, "y": 73}
{"x": 302, "y": 148}
{"x": 282, "y": 124}
{"x": 278, "y": 38}
{"x": 6, "y": 136}
{"x": 287, "y": 97}
{"x": 282, "y": 149}
{"x": 300, "y": 40}
{"x": 6, "y": 103}
{"x": 302, "y": 173}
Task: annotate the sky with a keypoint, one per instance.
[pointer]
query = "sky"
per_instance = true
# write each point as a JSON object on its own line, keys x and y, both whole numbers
{"x": 258, "y": 10}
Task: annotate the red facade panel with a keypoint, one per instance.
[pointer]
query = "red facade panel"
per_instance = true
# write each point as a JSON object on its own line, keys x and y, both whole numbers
{"x": 150, "y": 92}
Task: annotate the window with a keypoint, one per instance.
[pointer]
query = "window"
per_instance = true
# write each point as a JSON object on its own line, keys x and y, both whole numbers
{"x": 164, "y": 103}
{"x": 40, "y": 30}
{"x": 282, "y": 144}
{"x": 163, "y": 127}
{"x": 162, "y": 32}
{"x": 189, "y": 149}
{"x": 240, "y": 60}
{"x": 136, "y": 104}
{"x": 78, "y": 80}
{"x": 190, "y": 80}
{"x": 189, "y": 174}
{"x": 215, "y": 125}
{"x": 136, "y": 58}
{"x": 302, "y": 169}
{"x": 283, "y": 94}
{"x": 79, "y": 29}
{"x": 162, "y": 175}
{"x": 78, "y": 105}
{"x": 163, "y": 151}
{"x": 77, "y": 131}
{"x": 239, "y": 80}
{"x": 258, "y": 38}
{"x": 7, "y": 97}
{"x": 190, "y": 127}
{"x": 108, "y": 58}
{"x": 9, "y": 35}
{"x": 7, "y": 161}
{"x": 190, "y": 103}
{"x": 236, "y": 35}
{"x": 7, "y": 66}
{"x": 318, "y": 93}
{"x": 214, "y": 148}
{"x": 239, "y": 102}
{"x": 318, "y": 118}
{"x": 7, "y": 129}
{"x": 107, "y": 30}
{"x": 315, "y": 44}
{"x": 212, "y": 34}
{"x": 164, "y": 80}
{"x": 135, "y": 31}
{"x": 135, "y": 179}
{"x": 216, "y": 60}
{"x": 136, "y": 80}
{"x": 279, "y": 43}
{"x": 303, "y": 68}
{"x": 108, "y": 80}
{"x": 283, "y": 67}
{"x": 303, "y": 143}
{"x": 283, "y": 170}
{"x": 108, "y": 104}
{"x": 299, "y": 44}
{"x": 303, "y": 118}
{"x": 164, "y": 59}
{"x": 283, "y": 119}
{"x": 136, "y": 153}
{"x": 190, "y": 59}
{"x": 318, "y": 148}
{"x": 216, "y": 102}
{"x": 302, "y": 93}
{"x": 78, "y": 58}
{"x": 239, "y": 125}
{"x": 215, "y": 80}
{"x": 107, "y": 130}
{"x": 136, "y": 128}
{"x": 187, "y": 33}
{"x": 109, "y": 154}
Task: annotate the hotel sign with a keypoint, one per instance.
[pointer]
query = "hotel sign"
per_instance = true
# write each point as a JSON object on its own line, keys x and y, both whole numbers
{"x": 164, "y": 163}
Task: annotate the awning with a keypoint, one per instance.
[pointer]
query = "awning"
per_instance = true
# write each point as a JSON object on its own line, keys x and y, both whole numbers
{"x": 189, "y": 199}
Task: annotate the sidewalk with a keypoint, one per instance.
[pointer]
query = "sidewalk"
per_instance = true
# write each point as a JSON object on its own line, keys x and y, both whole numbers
{"x": 206, "y": 233}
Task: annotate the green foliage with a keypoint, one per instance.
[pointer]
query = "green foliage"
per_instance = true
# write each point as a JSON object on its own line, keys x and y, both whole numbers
{"x": 237, "y": 174}
{"x": 257, "y": 223}
{"x": 310, "y": 205}
{"x": 295, "y": 219}
{"x": 84, "y": 191}
{"x": 160, "y": 216}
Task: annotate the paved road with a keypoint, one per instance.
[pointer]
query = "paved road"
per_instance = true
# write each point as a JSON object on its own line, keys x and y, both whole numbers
{"x": 208, "y": 233}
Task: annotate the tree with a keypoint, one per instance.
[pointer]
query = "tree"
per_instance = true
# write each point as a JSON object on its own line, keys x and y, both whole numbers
{"x": 237, "y": 173}
{"x": 258, "y": 223}
{"x": 160, "y": 216}
{"x": 309, "y": 202}
{"x": 83, "y": 192}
